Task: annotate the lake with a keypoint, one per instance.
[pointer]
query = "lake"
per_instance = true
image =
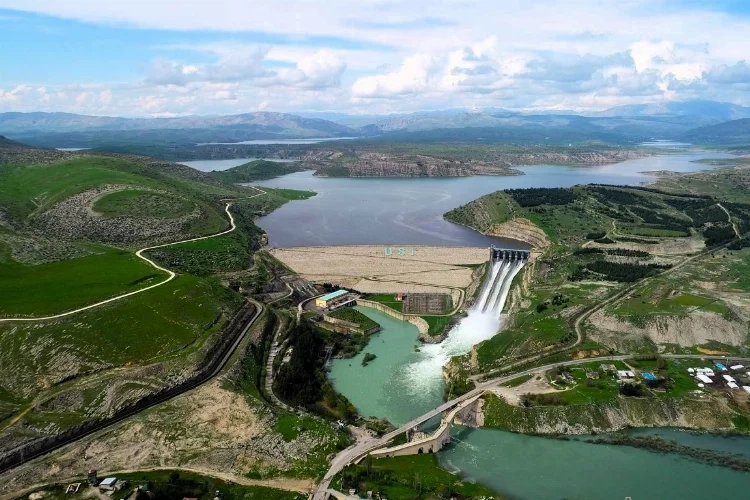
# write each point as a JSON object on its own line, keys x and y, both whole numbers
{"x": 361, "y": 211}
{"x": 211, "y": 165}
{"x": 262, "y": 142}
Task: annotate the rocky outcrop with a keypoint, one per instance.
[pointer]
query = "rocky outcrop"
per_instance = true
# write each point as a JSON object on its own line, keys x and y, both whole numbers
{"x": 523, "y": 230}
{"x": 697, "y": 328}
{"x": 382, "y": 165}
{"x": 687, "y": 413}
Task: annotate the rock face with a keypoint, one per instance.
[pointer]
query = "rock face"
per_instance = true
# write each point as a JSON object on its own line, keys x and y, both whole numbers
{"x": 370, "y": 164}
{"x": 699, "y": 327}
{"x": 711, "y": 413}
{"x": 523, "y": 230}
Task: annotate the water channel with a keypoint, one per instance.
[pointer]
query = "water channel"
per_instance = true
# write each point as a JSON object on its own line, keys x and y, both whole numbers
{"x": 405, "y": 379}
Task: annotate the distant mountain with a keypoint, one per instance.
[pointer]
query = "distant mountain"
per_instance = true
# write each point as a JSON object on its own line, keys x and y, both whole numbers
{"x": 731, "y": 133}
{"x": 718, "y": 111}
{"x": 6, "y": 143}
{"x": 40, "y": 128}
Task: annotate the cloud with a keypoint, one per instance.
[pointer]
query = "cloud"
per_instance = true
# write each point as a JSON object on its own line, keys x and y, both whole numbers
{"x": 416, "y": 74}
{"x": 383, "y": 56}
{"x": 729, "y": 74}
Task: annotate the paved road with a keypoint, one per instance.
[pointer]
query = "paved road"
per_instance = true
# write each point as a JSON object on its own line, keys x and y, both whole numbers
{"x": 356, "y": 451}
{"x": 139, "y": 254}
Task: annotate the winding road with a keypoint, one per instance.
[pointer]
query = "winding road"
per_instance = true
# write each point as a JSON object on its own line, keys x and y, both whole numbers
{"x": 153, "y": 264}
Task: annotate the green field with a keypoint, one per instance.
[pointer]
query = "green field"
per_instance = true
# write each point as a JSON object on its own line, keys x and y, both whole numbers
{"x": 167, "y": 485}
{"x": 387, "y": 299}
{"x": 140, "y": 203}
{"x": 354, "y": 316}
{"x": 61, "y": 286}
{"x": 172, "y": 319}
{"x": 437, "y": 324}
{"x": 415, "y": 476}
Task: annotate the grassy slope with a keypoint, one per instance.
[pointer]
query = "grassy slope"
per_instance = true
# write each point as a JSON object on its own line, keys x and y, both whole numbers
{"x": 416, "y": 476}
{"x": 567, "y": 225}
{"x": 168, "y": 323}
{"x": 255, "y": 171}
{"x": 184, "y": 484}
{"x": 60, "y": 286}
{"x": 168, "y": 320}
{"x": 354, "y": 316}
{"x": 138, "y": 202}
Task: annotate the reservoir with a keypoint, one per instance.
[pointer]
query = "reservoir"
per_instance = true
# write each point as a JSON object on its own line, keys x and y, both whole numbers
{"x": 211, "y": 165}
{"x": 409, "y": 211}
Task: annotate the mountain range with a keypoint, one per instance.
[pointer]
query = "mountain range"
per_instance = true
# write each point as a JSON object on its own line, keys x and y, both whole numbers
{"x": 691, "y": 121}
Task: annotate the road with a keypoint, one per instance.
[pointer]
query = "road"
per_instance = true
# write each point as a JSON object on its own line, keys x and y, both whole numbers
{"x": 220, "y": 364}
{"x": 356, "y": 451}
{"x": 729, "y": 216}
{"x": 139, "y": 254}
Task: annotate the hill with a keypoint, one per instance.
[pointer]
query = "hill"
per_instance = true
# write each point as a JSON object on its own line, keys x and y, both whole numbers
{"x": 69, "y": 231}
{"x": 71, "y": 130}
{"x": 735, "y": 132}
{"x": 255, "y": 171}
{"x": 719, "y": 111}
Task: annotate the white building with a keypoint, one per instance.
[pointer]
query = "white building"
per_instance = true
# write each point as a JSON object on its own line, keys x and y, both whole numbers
{"x": 108, "y": 483}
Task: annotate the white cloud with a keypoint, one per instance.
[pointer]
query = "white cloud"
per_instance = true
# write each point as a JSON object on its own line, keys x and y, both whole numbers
{"x": 332, "y": 55}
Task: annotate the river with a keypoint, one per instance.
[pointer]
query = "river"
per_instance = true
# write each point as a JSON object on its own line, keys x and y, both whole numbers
{"x": 405, "y": 380}
{"x": 409, "y": 211}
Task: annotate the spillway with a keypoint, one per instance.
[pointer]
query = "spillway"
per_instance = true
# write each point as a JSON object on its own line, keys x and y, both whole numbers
{"x": 482, "y": 322}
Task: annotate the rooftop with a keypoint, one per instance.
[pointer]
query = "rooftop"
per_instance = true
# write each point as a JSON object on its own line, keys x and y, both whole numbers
{"x": 333, "y": 295}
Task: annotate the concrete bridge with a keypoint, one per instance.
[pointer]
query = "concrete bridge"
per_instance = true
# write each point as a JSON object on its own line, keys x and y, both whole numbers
{"x": 497, "y": 254}
{"x": 463, "y": 413}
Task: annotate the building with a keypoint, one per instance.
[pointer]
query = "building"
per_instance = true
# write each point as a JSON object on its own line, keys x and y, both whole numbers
{"x": 625, "y": 375}
{"x": 329, "y": 299}
{"x": 108, "y": 483}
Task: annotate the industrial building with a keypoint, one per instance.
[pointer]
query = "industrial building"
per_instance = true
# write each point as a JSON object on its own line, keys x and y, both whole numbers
{"x": 331, "y": 299}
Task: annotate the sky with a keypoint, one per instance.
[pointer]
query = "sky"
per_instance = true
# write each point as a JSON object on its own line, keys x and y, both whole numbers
{"x": 179, "y": 57}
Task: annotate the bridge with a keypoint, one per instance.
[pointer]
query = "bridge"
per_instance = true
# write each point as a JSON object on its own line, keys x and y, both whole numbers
{"x": 497, "y": 254}
{"x": 361, "y": 449}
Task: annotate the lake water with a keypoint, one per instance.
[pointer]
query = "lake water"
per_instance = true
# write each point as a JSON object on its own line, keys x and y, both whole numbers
{"x": 262, "y": 142}
{"x": 211, "y": 165}
{"x": 349, "y": 211}
{"x": 528, "y": 468}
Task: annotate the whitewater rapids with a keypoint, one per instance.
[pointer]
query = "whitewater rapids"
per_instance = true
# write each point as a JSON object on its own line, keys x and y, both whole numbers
{"x": 483, "y": 321}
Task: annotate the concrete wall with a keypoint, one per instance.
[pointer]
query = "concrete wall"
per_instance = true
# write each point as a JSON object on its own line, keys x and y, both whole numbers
{"x": 420, "y": 323}
{"x": 348, "y": 326}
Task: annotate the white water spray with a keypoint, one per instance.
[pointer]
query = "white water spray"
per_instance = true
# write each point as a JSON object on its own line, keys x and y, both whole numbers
{"x": 483, "y": 321}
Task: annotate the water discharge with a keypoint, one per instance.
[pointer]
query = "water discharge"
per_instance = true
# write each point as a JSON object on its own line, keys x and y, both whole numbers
{"x": 483, "y": 321}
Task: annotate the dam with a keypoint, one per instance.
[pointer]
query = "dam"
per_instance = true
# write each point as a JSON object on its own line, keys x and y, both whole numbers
{"x": 504, "y": 265}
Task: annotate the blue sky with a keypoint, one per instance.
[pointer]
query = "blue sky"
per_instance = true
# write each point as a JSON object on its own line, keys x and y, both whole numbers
{"x": 171, "y": 57}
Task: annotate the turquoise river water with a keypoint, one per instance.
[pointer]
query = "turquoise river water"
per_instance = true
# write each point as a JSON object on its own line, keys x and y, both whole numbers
{"x": 402, "y": 383}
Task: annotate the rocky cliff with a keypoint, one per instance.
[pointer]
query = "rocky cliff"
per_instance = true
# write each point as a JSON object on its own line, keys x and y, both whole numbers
{"x": 523, "y": 230}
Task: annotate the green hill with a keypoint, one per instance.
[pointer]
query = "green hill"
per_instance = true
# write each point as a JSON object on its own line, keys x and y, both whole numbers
{"x": 731, "y": 133}
{"x": 70, "y": 226}
{"x": 255, "y": 171}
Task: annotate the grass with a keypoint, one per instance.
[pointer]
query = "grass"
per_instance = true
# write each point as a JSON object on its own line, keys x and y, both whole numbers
{"x": 61, "y": 286}
{"x": 387, "y": 299}
{"x": 437, "y": 324}
{"x": 140, "y": 203}
{"x": 354, "y": 316}
{"x": 35, "y": 188}
{"x": 254, "y": 171}
{"x": 170, "y": 320}
{"x": 518, "y": 381}
{"x": 291, "y": 194}
{"x": 414, "y": 476}
{"x": 181, "y": 484}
